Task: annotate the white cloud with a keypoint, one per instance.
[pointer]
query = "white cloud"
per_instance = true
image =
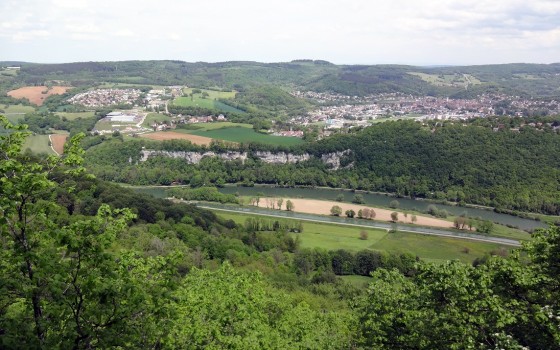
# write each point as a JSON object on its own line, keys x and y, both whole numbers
{"x": 349, "y": 31}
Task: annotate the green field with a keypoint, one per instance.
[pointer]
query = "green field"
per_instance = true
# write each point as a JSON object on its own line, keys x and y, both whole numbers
{"x": 15, "y": 112}
{"x": 209, "y": 102}
{"x": 73, "y": 116}
{"x": 212, "y": 94}
{"x": 38, "y": 144}
{"x": 244, "y": 134}
{"x": 430, "y": 248}
{"x": 155, "y": 117}
{"x": 447, "y": 79}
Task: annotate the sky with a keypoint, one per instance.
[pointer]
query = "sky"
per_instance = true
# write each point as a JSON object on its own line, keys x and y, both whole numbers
{"x": 416, "y": 32}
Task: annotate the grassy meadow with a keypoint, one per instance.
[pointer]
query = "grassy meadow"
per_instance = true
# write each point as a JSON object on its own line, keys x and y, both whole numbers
{"x": 244, "y": 134}
{"x": 430, "y": 248}
{"x": 155, "y": 117}
{"x": 208, "y": 102}
{"x": 38, "y": 144}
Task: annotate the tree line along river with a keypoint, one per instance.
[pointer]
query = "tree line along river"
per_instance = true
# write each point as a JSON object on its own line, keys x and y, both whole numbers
{"x": 372, "y": 199}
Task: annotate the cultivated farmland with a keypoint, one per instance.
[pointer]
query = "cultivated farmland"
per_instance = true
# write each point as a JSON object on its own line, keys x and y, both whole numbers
{"x": 243, "y": 134}
{"x": 171, "y": 135}
{"x": 37, "y": 94}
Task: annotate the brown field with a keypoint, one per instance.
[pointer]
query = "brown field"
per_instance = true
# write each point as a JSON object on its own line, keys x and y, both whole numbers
{"x": 172, "y": 135}
{"x": 58, "y": 141}
{"x": 37, "y": 94}
{"x": 312, "y": 206}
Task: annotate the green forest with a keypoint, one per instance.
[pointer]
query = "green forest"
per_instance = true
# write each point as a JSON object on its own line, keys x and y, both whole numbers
{"x": 469, "y": 163}
{"x": 515, "y": 79}
{"x": 88, "y": 264}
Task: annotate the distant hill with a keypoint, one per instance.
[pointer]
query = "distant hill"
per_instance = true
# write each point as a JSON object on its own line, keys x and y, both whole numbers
{"x": 538, "y": 80}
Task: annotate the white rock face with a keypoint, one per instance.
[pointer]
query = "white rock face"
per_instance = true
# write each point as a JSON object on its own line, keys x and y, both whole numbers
{"x": 331, "y": 159}
{"x": 282, "y": 157}
{"x": 193, "y": 157}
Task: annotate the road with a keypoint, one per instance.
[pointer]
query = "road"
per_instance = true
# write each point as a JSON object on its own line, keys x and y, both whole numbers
{"x": 362, "y": 223}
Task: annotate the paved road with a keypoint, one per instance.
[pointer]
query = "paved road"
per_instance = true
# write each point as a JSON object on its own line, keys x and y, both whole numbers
{"x": 362, "y": 223}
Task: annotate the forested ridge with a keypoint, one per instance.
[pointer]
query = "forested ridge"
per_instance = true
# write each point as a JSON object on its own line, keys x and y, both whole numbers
{"x": 78, "y": 269}
{"x": 461, "y": 163}
{"x": 515, "y": 79}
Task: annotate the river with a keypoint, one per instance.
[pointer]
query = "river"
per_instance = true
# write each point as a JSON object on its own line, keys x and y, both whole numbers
{"x": 373, "y": 199}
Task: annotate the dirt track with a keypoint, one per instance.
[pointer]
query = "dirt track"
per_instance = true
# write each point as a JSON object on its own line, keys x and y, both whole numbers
{"x": 172, "y": 135}
{"x": 37, "y": 94}
{"x": 312, "y": 206}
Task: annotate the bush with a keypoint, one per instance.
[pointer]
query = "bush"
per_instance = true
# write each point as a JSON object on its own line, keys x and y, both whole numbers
{"x": 363, "y": 235}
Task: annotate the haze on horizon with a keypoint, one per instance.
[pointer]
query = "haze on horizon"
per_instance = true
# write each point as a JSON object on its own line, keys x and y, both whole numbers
{"x": 426, "y": 32}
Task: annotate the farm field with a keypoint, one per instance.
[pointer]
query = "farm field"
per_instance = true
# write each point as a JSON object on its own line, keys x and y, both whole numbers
{"x": 332, "y": 237}
{"x": 37, "y": 94}
{"x": 9, "y": 109}
{"x": 321, "y": 207}
{"x": 243, "y": 134}
{"x": 447, "y": 79}
{"x": 212, "y": 94}
{"x": 58, "y": 141}
{"x": 38, "y": 144}
{"x": 204, "y": 103}
{"x": 172, "y": 135}
{"x": 209, "y": 102}
{"x": 214, "y": 126}
{"x": 73, "y": 116}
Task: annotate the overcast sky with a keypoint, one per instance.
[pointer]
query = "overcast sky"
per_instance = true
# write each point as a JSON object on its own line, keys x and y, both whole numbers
{"x": 420, "y": 32}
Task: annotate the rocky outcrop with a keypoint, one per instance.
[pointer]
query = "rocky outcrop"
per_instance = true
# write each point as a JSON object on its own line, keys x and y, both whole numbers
{"x": 282, "y": 157}
{"x": 331, "y": 159}
{"x": 193, "y": 157}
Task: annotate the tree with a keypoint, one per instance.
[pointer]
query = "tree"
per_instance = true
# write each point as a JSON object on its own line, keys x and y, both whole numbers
{"x": 360, "y": 213}
{"x": 59, "y": 272}
{"x": 459, "y": 222}
{"x": 413, "y": 218}
{"x": 394, "y": 204}
{"x": 485, "y": 226}
{"x": 518, "y": 295}
{"x": 350, "y": 213}
{"x": 258, "y": 197}
{"x": 358, "y": 199}
{"x": 280, "y": 202}
{"x": 336, "y": 210}
{"x": 340, "y": 197}
{"x": 394, "y": 216}
{"x": 289, "y": 205}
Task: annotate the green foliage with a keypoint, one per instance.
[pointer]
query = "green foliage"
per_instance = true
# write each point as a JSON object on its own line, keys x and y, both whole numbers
{"x": 229, "y": 309}
{"x": 358, "y": 199}
{"x": 503, "y": 302}
{"x": 336, "y": 210}
{"x": 209, "y": 194}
